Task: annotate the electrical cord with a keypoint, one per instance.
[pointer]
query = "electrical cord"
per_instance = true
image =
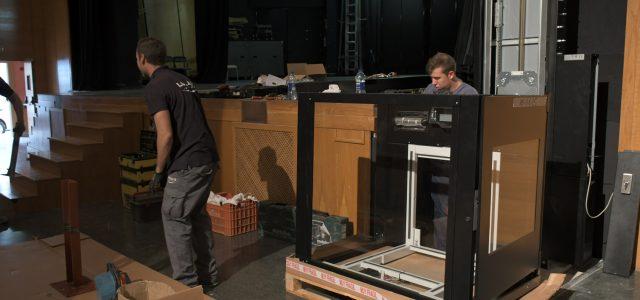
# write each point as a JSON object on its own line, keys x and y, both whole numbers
{"x": 586, "y": 201}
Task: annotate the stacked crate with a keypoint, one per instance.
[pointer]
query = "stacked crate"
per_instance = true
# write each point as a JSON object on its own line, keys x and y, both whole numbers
{"x": 231, "y": 220}
{"x": 136, "y": 172}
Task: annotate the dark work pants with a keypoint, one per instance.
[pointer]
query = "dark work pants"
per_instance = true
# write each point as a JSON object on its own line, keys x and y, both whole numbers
{"x": 187, "y": 226}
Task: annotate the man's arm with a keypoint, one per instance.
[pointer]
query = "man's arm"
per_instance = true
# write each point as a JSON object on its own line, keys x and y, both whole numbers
{"x": 164, "y": 138}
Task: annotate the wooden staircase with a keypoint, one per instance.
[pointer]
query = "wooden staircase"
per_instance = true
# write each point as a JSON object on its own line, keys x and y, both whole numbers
{"x": 88, "y": 153}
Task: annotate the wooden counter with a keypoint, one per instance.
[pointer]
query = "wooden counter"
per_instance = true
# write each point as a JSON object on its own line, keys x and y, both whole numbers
{"x": 257, "y": 143}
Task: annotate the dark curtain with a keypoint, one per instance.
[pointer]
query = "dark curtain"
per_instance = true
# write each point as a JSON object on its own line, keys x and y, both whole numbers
{"x": 212, "y": 22}
{"x": 103, "y": 43}
{"x": 468, "y": 49}
{"x": 394, "y": 36}
{"x": 445, "y": 17}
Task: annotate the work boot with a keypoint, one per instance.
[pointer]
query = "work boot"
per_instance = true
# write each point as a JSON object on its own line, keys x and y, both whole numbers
{"x": 209, "y": 290}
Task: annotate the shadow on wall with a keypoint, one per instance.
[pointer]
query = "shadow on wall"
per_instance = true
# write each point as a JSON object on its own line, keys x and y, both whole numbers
{"x": 279, "y": 186}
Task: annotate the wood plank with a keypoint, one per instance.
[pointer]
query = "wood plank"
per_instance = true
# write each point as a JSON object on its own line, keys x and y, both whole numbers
{"x": 225, "y": 178}
{"x": 341, "y": 177}
{"x": 55, "y": 157}
{"x": 345, "y": 122}
{"x": 36, "y": 174}
{"x": 346, "y": 109}
{"x": 629, "y": 136}
{"x": 93, "y": 125}
{"x": 630, "y": 110}
{"x": 75, "y": 141}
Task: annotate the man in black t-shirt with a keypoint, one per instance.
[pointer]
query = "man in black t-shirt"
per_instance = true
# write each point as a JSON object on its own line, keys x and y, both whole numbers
{"x": 188, "y": 158}
{"x": 7, "y": 92}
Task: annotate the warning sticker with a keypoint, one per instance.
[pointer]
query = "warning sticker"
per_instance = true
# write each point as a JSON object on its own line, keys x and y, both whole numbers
{"x": 522, "y": 102}
{"x": 326, "y": 277}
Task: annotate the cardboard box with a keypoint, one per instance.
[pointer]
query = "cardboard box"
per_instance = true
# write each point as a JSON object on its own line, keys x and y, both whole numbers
{"x": 302, "y": 70}
{"x": 154, "y": 290}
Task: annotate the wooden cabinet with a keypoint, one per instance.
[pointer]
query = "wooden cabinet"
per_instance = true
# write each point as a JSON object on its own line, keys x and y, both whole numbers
{"x": 46, "y": 120}
{"x": 257, "y": 144}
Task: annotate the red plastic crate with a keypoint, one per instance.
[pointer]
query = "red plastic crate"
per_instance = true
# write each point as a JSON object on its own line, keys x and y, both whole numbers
{"x": 230, "y": 220}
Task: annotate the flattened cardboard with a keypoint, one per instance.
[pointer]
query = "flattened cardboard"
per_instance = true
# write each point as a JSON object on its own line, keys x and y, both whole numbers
{"x": 58, "y": 240}
{"x": 316, "y": 69}
{"x": 27, "y": 270}
{"x": 297, "y": 68}
{"x": 194, "y": 293}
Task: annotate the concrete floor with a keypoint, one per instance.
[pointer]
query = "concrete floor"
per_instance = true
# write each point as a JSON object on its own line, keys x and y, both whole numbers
{"x": 595, "y": 284}
{"x": 249, "y": 260}
{"x": 243, "y": 261}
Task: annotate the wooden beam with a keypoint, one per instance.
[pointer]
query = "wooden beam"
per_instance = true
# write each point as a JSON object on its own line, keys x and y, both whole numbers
{"x": 630, "y": 107}
{"x": 630, "y": 110}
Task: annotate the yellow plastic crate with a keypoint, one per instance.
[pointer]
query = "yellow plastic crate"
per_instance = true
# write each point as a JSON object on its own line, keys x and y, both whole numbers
{"x": 137, "y": 176}
{"x": 138, "y": 160}
{"x": 129, "y": 188}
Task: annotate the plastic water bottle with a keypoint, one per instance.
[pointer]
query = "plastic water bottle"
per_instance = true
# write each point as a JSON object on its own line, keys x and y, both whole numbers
{"x": 360, "y": 82}
{"x": 292, "y": 94}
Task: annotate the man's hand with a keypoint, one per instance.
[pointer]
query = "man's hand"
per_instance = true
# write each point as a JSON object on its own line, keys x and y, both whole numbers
{"x": 156, "y": 182}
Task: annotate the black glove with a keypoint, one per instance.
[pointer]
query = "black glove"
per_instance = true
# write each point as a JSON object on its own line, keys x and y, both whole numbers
{"x": 156, "y": 182}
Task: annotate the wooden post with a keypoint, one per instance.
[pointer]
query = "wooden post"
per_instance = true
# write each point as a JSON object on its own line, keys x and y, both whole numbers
{"x": 71, "y": 221}
{"x": 75, "y": 284}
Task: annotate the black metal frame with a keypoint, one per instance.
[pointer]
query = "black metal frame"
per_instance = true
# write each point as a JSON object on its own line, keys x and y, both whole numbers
{"x": 464, "y": 153}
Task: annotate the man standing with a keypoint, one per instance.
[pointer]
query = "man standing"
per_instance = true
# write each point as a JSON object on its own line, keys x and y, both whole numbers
{"x": 18, "y": 129}
{"x": 442, "y": 69}
{"x": 7, "y": 92}
{"x": 187, "y": 154}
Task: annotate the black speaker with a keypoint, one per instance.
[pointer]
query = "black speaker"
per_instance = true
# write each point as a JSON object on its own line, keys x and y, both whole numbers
{"x": 568, "y": 234}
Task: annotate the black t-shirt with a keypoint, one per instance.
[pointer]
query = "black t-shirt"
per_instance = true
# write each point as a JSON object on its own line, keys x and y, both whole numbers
{"x": 193, "y": 142}
{"x": 5, "y": 89}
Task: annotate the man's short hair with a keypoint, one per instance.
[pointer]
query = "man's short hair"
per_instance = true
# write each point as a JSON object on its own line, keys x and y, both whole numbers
{"x": 153, "y": 50}
{"x": 441, "y": 60}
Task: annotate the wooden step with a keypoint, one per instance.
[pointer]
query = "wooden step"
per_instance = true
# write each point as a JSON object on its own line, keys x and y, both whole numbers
{"x": 108, "y": 115}
{"x": 36, "y": 174}
{"x": 54, "y": 157}
{"x": 14, "y": 189}
{"x": 104, "y": 109}
{"x": 75, "y": 141}
{"x": 96, "y": 131}
{"x": 93, "y": 125}
{"x": 74, "y": 146}
{"x": 51, "y": 161}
